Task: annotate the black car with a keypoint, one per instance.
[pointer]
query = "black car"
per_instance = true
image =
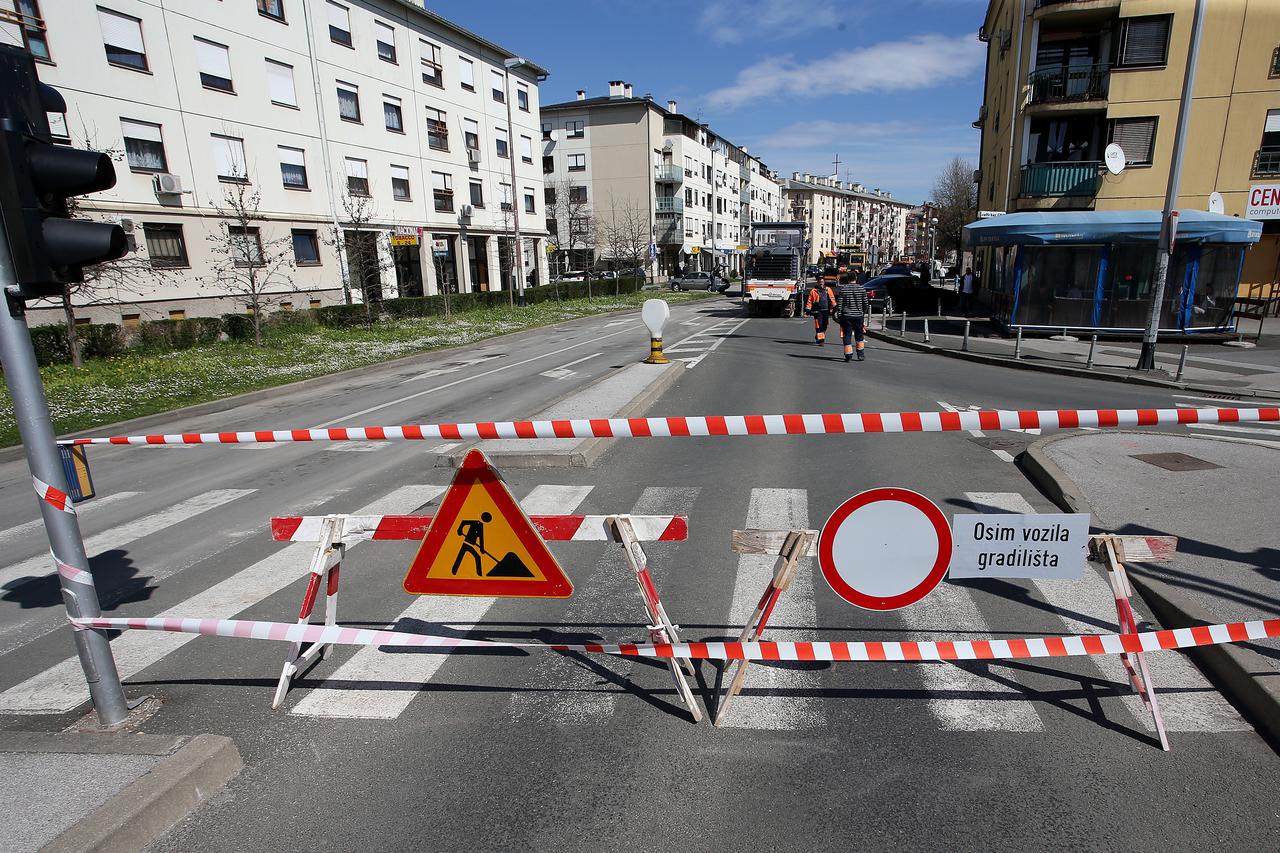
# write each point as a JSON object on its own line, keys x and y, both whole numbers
{"x": 908, "y": 293}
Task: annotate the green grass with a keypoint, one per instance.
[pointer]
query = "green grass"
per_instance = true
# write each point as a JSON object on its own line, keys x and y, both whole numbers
{"x": 114, "y": 389}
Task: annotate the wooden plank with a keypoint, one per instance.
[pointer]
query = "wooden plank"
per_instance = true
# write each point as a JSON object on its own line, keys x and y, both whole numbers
{"x": 754, "y": 541}
{"x": 1142, "y": 549}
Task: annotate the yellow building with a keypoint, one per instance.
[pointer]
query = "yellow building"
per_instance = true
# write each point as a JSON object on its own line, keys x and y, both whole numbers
{"x": 1064, "y": 78}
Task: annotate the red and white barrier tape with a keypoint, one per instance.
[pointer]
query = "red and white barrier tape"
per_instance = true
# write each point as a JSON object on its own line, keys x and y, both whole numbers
{"x": 1029, "y": 647}
{"x": 70, "y": 572}
{"x": 817, "y": 424}
{"x": 55, "y": 498}
{"x": 553, "y": 528}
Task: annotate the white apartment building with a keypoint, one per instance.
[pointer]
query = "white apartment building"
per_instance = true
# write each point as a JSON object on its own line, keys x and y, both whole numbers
{"x": 320, "y": 107}
{"x": 840, "y": 213}
{"x": 618, "y": 152}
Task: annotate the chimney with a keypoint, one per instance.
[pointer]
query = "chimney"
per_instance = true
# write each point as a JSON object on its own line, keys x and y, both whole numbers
{"x": 582, "y": 94}
{"x": 615, "y": 88}
{"x": 671, "y": 106}
{"x": 626, "y": 90}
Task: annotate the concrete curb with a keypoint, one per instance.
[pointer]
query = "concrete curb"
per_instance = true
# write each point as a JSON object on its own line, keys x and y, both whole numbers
{"x": 1244, "y": 676}
{"x": 1066, "y": 371}
{"x": 193, "y": 770}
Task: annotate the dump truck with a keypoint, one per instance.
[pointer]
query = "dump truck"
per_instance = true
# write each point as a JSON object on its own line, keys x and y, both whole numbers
{"x": 774, "y": 281}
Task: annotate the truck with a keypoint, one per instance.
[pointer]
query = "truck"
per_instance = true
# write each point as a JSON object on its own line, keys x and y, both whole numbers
{"x": 774, "y": 278}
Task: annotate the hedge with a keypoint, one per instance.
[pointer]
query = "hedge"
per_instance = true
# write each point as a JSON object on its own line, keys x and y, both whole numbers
{"x": 101, "y": 340}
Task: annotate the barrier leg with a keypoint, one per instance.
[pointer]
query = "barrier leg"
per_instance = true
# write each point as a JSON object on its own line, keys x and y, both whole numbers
{"x": 661, "y": 628}
{"x": 793, "y": 548}
{"x": 325, "y": 564}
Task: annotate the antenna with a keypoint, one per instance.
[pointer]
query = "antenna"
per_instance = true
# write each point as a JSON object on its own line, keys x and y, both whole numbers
{"x": 836, "y": 171}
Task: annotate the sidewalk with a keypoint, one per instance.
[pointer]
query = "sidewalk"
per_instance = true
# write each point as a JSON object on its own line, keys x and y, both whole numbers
{"x": 1211, "y": 367}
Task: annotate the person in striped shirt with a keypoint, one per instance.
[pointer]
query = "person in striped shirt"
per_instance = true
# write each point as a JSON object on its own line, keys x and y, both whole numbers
{"x": 852, "y": 309}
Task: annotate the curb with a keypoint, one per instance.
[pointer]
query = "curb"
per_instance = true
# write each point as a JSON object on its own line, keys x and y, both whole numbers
{"x": 193, "y": 770}
{"x": 1079, "y": 372}
{"x": 1245, "y": 677}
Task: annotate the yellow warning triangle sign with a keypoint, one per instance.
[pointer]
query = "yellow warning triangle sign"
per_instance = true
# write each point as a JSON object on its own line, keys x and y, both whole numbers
{"x": 482, "y": 543}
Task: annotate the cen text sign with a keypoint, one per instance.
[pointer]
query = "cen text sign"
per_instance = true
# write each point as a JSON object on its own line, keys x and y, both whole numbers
{"x": 1263, "y": 202}
{"x": 1011, "y": 545}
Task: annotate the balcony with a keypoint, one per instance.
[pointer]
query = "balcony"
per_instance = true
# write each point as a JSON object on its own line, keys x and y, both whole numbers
{"x": 1076, "y": 11}
{"x": 1266, "y": 162}
{"x": 668, "y": 173}
{"x": 669, "y": 231}
{"x": 669, "y": 204}
{"x": 1040, "y": 180}
{"x": 1069, "y": 84}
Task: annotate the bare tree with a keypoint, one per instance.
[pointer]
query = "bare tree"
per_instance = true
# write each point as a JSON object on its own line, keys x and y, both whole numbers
{"x": 362, "y": 244}
{"x": 627, "y": 236}
{"x": 507, "y": 257}
{"x": 956, "y": 198}
{"x": 256, "y": 272}
{"x": 575, "y": 223}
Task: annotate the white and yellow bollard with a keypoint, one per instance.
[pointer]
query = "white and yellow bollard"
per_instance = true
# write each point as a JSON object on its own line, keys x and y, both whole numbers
{"x": 655, "y": 314}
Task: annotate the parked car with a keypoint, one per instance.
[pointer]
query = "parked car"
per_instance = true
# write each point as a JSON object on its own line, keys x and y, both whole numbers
{"x": 899, "y": 269}
{"x": 698, "y": 281}
{"x": 908, "y": 293}
{"x": 570, "y": 275}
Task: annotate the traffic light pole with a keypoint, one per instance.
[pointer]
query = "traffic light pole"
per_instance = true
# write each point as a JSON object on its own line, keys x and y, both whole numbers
{"x": 31, "y": 410}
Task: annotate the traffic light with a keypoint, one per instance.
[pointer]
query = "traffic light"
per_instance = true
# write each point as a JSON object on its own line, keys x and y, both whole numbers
{"x": 48, "y": 247}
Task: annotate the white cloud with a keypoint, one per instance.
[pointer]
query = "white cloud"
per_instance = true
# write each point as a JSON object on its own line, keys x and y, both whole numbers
{"x": 914, "y": 63}
{"x": 729, "y": 22}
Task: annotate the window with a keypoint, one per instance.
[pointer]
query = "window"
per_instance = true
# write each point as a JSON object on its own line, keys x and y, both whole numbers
{"x": 33, "y": 31}
{"x": 280, "y": 84}
{"x": 471, "y": 133}
{"x": 385, "y": 38}
{"x": 1275, "y": 63}
{"x": 143, "y": 146}
{"x": 392, "y": 117}
{"x": 357, "y": 177}
{"x": 122, "y": 39}
{"x": 546, "y": 130}
{"x": 1137, "y": 137}
{"x": 500, "y": 142}
{"x": 432, "y": 70}
{"x": 1271, "y": 130}
{"x": 477, "y": 195}
{"x": 437, "y": 129}
{"x": 528, "y": 200}
{"x": 1266, "y": 162}
{"x": 573, "y": 129}
{"x": 165, "y": 246}
{"x": 349, "y": 102}
{"x": 400, "y": 183}
{"x": 293, "y": 168}
{"x": 548, "y": 196}
{"x": 522, "y": 96}
{"x": 442, "y": 191}
{"x": 177, "y": 314}
{"x": 246, "y": 246}
{"x": 215, "y": 65}
{"x": 339, "y": 25}
{"x": 228, "y": 158}
{"x": 58, "y": 127}
{"x": 548, "y": 164}
{"x": 578, "y": 195}
{"x": 526, "y": 149}
{"x": 271, "y": 9}
{"x": 467, "y": 74}
{"x": 306, "y": 248}
{"x": 498, "y": 86}
{"x": 577, "y": 162}
{"x": 504, "y": 196}
{"x": 1144, "y": 41}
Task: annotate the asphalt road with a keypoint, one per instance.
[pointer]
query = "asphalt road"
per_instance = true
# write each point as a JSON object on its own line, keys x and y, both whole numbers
{"x": 488, "y": 751}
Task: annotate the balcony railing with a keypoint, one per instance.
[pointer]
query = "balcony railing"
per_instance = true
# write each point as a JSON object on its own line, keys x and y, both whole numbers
{"x": 669, "y": 204}
{"x": 1266, "y": 162}
{"x": 1060, "y": 179}
{"x": 669, "y": 231}
{"x": 1063, "y": 84}
{"x": 668, "y": 173}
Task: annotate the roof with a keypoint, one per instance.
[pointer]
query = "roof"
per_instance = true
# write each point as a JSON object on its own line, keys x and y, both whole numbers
{"x": 416, "y": 6}
{"x": 1042, "y": 228}
{"x": 791, "y": 183}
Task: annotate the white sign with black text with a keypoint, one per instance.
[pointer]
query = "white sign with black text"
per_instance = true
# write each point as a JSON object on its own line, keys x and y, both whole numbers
{"x": 1011, "y": 545}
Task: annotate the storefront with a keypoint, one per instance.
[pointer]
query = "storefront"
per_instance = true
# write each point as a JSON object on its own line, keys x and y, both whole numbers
{"x": 1090, "y": 271}
{"x": 406, "y": 259}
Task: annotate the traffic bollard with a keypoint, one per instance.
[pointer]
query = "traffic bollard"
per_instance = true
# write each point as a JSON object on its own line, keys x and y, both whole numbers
{"x": 1093, "y": 343}
{"x": 926, "y": 330}
{"x": 1182, "y": 361}
{"x": 884, "y": 316}
{"x": 902, "y": 324}
{"x": 1017, "y": 345}
{"x": 964, "y": 344}
{"x": 939, "y": 306}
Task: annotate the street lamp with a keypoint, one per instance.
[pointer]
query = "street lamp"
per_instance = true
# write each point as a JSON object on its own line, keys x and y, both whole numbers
{"x": 933, "y": 239}
{"x": 514, "y": 62}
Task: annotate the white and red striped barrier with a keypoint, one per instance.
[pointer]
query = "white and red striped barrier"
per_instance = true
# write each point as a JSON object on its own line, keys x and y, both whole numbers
{"x": 553, "y": 528}
{"x": 54, "y": 497}
{"x": 812, "y": 424}
{"x": 1011, "y": 649}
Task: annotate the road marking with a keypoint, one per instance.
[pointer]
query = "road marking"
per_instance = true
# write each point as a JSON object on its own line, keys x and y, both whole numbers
{"x": 356, "y": 446}
{"x": 1241, "y": 429}
{"x": 122, "y": 535}
{"x": 446, "y": 448}
{"x": 976, "y": 433}
{"x": 757, "y": 707}
{"x": 563, "y": 370}
{"x": 1003, "y": 455}
{"x": 1217, "y": 400}
{"x": 453, "y": 368}
{"x": 93, "y": 505}
{"x": 61, "y": 687}
{"x": 399, "y": 676}
{"x": 721, "y": 337}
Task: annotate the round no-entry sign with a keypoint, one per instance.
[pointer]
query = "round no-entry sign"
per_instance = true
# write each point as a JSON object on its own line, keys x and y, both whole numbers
{"x": 885, "y": 548}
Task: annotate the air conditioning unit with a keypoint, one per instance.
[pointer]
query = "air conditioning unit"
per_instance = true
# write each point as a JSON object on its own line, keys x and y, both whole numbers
{"x": 466, "y": 211}
{"x": 473, "y": 155}
{"x": 166, "y": 184}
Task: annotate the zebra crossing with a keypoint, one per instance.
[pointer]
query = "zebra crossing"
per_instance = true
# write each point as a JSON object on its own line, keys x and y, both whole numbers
{"x": 1261, "y": 433}
{"x": 371, "y": 684}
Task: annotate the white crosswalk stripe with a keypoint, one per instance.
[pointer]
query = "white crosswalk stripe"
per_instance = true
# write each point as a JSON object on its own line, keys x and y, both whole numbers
{"x": 61, "y": 687}
{"x": 399, "y": 676}
{"x": 91, "y": 507}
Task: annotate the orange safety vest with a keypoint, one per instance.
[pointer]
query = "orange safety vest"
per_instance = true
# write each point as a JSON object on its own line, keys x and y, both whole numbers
{"x": 815, "y": 297}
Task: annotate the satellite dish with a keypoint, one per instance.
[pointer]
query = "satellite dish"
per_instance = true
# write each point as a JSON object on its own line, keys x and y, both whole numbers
{"x": 1113, "y": 156}
{"x": 1215, "y": 203}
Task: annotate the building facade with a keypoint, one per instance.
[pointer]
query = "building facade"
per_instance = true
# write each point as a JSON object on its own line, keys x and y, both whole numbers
{"x": 841, "y": 213}
{"x": 358, "y": 129}
{"x": 621, "y": 158}
{"x": 1064, "y": 78}
{"x": 921, "y": 232}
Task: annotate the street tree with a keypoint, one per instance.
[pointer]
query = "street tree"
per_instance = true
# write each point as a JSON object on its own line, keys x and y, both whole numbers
{"x": 627, "y": 236}
{"x": 362, "y": 250}
{"x": 956, "y": 198}
{"x": 575, "y": 224}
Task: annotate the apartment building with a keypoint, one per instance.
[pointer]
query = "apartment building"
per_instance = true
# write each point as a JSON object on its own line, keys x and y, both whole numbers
{"x": 362, "y": 127}
{"x": 841, "y": 213}
{"x": 1064, "y": 78}
{"x": 619, "y": 153}
{"x": 921, "y": 232}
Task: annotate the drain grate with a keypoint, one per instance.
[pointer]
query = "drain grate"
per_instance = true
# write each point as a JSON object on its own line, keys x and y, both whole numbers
{"x": 1175, "y": 461}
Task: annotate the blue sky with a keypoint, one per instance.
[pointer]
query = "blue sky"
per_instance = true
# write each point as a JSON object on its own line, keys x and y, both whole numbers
{"x": 891, "y": 85}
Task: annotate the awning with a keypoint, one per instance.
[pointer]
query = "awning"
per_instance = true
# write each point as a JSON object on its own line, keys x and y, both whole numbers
{"x": 1043, "y": 228}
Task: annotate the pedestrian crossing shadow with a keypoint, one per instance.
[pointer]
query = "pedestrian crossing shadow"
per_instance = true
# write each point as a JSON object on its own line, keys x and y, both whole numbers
{"x": 115, "y": 577}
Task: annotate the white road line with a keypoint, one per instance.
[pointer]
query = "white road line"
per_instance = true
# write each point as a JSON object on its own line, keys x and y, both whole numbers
{"x": 356, "y": 447}
{"x": 400, "y": 675}
{"x": 563, "y": 370}
{"x": 1240, "y": 429}
{"x": 1218, "y": 401}
{"x": 714, "y": 346}
{"x": 445, "y": 448}
{"x": 91, "y": 506}
{"x": 61, "y": 687}
{"x": 1003, "y": 455}
{"x": 117, "y": 537}
{"x": 976, "y": 433}
{"x": 782, "y": 509}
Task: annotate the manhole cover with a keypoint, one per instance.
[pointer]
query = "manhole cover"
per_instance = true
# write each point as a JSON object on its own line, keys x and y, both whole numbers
{"x": 1175, "y": 461}
{"x": 1001, "y": 443}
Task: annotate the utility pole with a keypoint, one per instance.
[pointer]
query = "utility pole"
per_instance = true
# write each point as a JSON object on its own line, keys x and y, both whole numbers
{"x": 1169, "y": 221}
{"x": 518, "y": 266}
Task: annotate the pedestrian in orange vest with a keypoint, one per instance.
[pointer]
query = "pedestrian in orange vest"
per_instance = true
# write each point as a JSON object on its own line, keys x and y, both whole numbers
{"x": 819, "y": 305}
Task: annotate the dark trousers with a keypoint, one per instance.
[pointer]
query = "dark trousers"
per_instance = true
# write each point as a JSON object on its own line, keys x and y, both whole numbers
{"x": 851, "y": 330}
{"x": 966, "y": 303}
{"x": 820, "y": 324}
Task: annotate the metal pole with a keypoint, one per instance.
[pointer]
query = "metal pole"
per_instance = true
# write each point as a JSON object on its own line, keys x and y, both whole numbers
{"x": 902, "y": 324}
{"x": 31, "y": 410}
{"x": 1017, "y": 345}
{"x": 1182, "y": 361}
{"x": 964, "y": 344}
{"x": 926, "y": 330}
{"x": 515, "y": 207}
{"x": 1093, "y": 343}
{"x": 1169, "y": 222}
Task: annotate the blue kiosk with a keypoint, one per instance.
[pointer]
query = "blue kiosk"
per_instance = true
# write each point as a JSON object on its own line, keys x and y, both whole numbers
{"x": 1093, "y": 271}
